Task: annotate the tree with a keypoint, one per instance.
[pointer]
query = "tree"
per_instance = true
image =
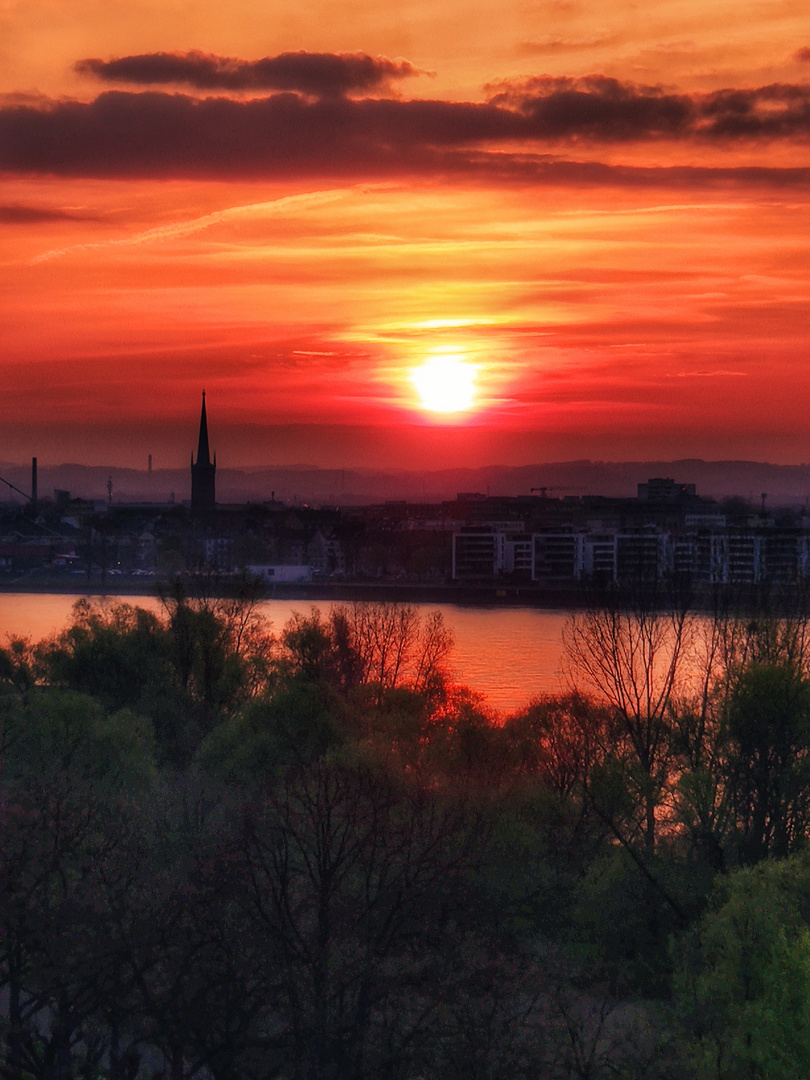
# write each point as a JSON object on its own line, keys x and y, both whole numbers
{"x": 559, "y": 740}
{"x": 18, "y": 667}
{"x": 352, "y": 884}
{"x": 768, "y": 730}
{"x": 199, "y": 664}
{"x": 397, "y": 646}
{"x": 627, "y": 651}
{"x": 189, "y": 982}
{"x": 380, "y": 646}
{"x": 744, "y": 978}
{"x": 318, "y": 649}
{"x": 740, "y": 732}
{"x": 553, "y": 750}
{"x": 68, "y": 771}
{"x": 219, "y": 644}
{"x": 112, "y": 652}
{"x": 296, "y": 724}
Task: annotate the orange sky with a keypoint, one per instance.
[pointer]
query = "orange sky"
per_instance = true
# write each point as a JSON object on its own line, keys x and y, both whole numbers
{"x": 603, "y": 208}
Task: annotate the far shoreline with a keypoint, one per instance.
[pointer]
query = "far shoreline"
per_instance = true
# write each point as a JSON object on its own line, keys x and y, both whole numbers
{"x": 743, "y": 599}
{"x": 484, "y": 595}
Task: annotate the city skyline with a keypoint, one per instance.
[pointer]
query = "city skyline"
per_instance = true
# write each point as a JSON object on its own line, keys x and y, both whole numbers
{"x": 409, "y": 235}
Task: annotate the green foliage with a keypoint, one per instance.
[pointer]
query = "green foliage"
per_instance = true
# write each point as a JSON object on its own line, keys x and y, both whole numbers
{"x": 527, "y": 884}
{"x": 318, "y": 650}
{"x": 744, "y": 978}
{"x": 61, "y": 736}
{"x": 358, "y": 841}
{"x": 703, "y": 810}
{"x": 185, "y": 672}
{"x": 628, "y": 918}
{"x": 113, "y": 654}
{"x": 396, "y": 726}
{"x": 294, "y": 725}
{"x": 18, "y": 666}
{"x": 768, "y": 724}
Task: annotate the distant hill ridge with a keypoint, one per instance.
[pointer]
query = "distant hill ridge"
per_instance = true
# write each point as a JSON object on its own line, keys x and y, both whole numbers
{"x": 782, "y": 484}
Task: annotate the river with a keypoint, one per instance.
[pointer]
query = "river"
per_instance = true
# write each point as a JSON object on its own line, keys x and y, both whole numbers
{"x": 508, "y": 654}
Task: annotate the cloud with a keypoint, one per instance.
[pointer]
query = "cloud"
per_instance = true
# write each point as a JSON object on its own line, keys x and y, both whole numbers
{"x": 549, "y": 44}
{"x": 777, "y": 111}
{"x": 316, "y": 74}
{"x": 250, "y": 211}
{"x": 802, "y": 55}
{"x": 286, "y": 135}
{"x": 15, "y": 214}
{"x": 604, "y": 109}
{"x": 158, "y": 134}
{"x": 676, "y": 47}
{"x": 594, "y": 106}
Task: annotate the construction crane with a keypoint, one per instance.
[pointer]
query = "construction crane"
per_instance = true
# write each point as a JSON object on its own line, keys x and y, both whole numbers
{"x": 32, "y": 498}
{"x": 13, "y": 487}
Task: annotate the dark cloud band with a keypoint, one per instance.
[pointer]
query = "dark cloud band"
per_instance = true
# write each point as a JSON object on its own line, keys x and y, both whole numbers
{"x": 316, "y": 74}
{"x": 16, "y": 214}
{"x": 160, "y": 134}
{"x": 606, "y": 110}
{"x": 289, "y": 135}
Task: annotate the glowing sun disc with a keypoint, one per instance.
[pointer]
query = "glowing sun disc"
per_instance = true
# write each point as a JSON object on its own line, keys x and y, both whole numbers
{"x": 445, "y": 384}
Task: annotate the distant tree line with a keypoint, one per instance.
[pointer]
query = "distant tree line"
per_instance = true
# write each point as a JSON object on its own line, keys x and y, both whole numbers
{"x": 230, "y": 850}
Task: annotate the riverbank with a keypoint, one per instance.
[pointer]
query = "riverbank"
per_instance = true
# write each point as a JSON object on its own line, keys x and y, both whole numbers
{"x": 741, "y": 598}
{"x": 490, "y": 594}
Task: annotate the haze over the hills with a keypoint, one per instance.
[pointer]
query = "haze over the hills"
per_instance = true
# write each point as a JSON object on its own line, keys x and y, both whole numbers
{"x": 782, "y": 484}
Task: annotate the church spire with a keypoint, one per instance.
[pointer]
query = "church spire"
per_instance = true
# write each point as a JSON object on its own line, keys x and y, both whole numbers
{"x": 203, "y": 453}
{"x": 203, "y": 472}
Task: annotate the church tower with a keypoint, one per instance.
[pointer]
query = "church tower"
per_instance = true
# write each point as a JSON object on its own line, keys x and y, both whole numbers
{"x": 203, "y": 473}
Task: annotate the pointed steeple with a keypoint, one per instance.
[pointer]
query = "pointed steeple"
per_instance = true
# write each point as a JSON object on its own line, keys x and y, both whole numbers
{"x": 203, "y": 471}
{"x": 203, "y": 453}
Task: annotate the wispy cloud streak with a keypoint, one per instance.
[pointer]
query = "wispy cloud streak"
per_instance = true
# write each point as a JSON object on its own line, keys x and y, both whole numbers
{"x": 250, "y": 211}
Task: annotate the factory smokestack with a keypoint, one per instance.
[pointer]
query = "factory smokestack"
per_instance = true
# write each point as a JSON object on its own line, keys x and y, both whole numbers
{"x": 33, "y": 482}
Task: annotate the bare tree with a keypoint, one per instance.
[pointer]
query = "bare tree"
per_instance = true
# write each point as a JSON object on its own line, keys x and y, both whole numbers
{"x": 381, "y": 645}
{"x": 351, "y": 883}
{"x": 628, "y": 651}
{"x": 397, "y": 646}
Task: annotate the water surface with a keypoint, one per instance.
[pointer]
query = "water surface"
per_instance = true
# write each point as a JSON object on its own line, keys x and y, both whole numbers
{"x": 507, "y": 654}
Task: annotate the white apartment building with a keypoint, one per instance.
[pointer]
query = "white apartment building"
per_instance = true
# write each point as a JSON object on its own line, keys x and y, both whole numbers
{"x": 721, "y": 555}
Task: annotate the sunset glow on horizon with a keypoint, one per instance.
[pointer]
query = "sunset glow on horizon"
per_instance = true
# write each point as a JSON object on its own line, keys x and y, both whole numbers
{"x": 600, "y": 220}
